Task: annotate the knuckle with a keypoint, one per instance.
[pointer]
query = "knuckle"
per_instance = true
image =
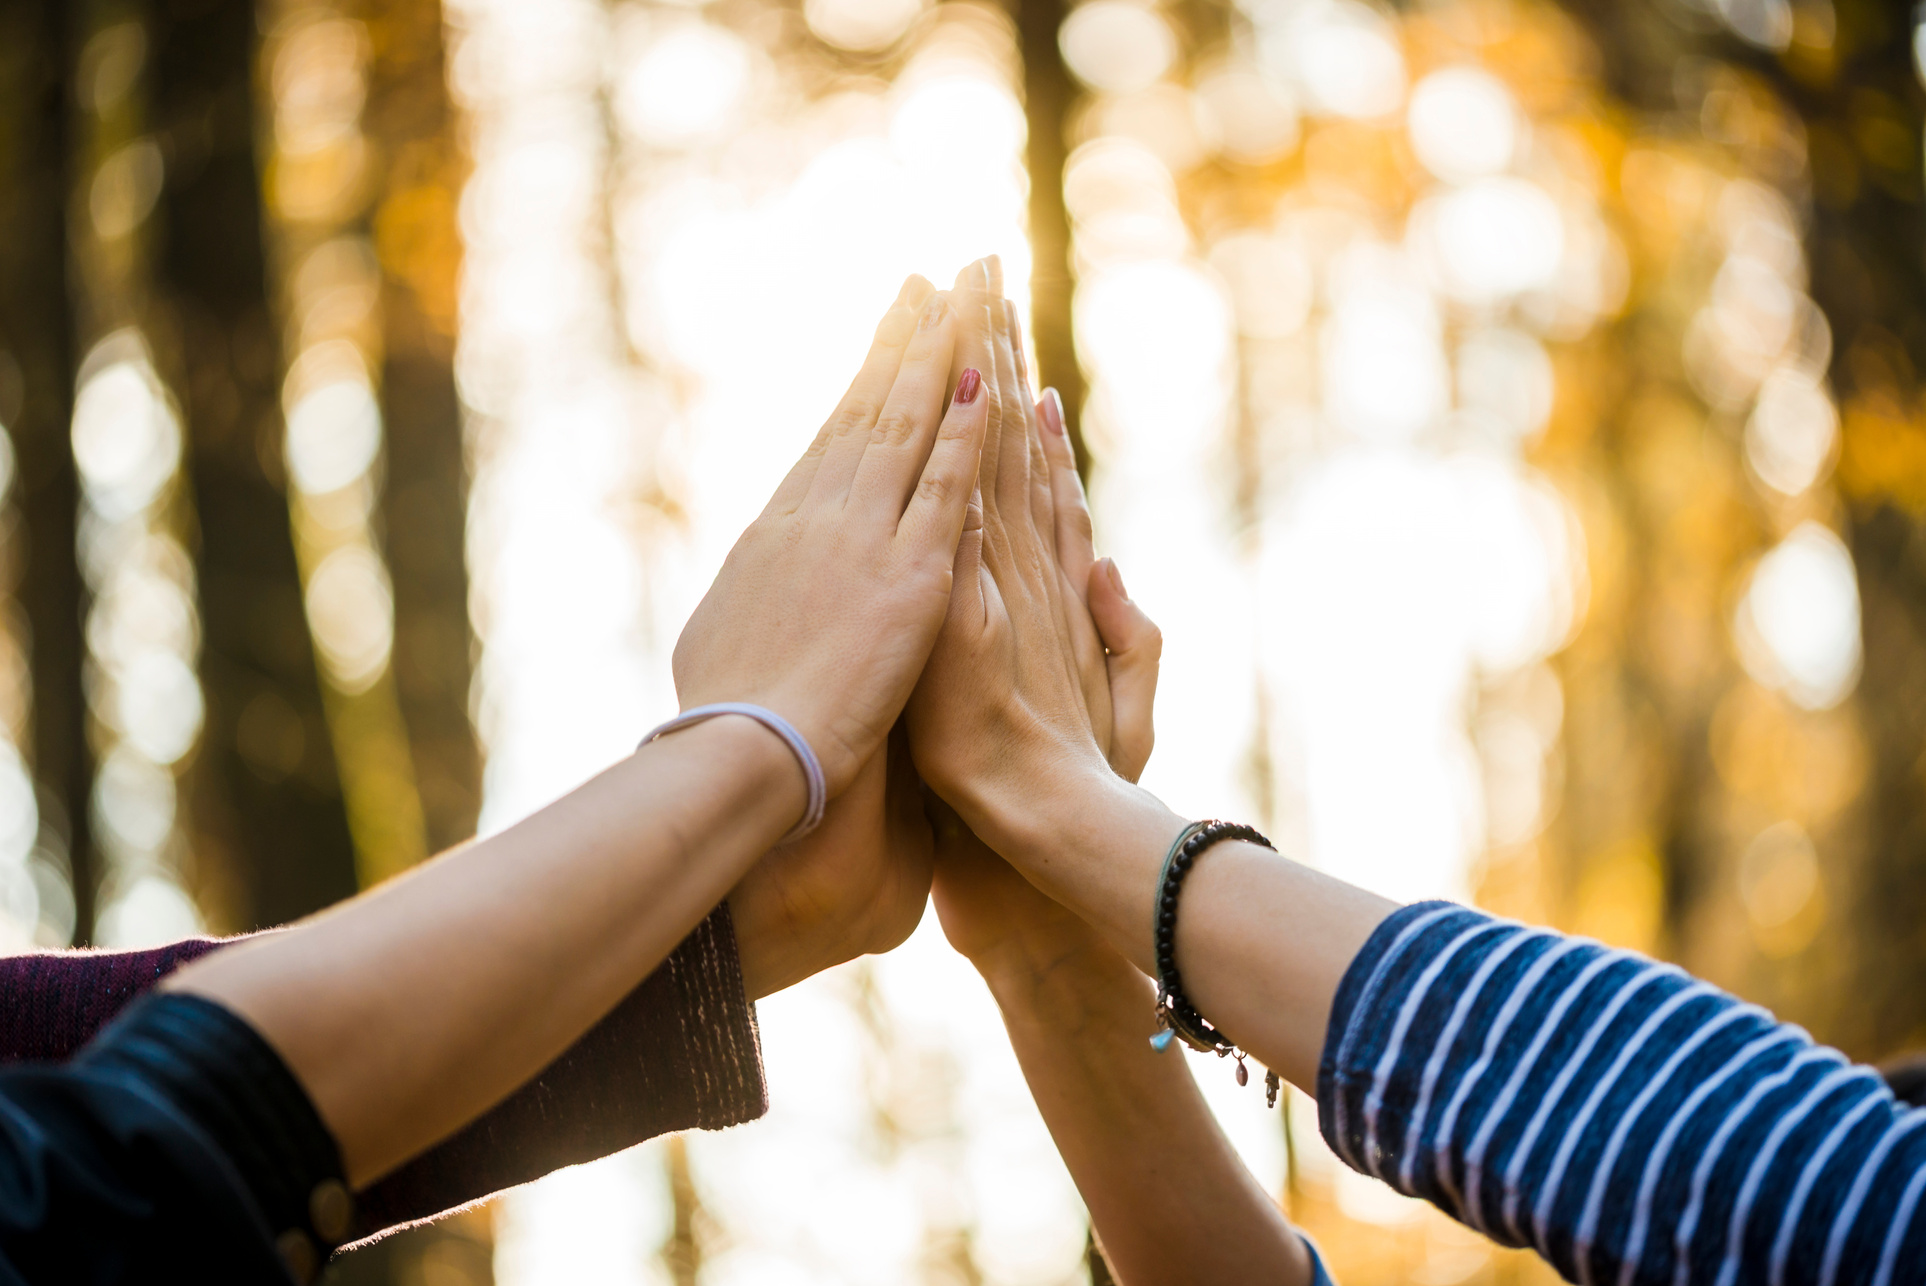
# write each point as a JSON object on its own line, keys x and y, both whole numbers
{"x": 855, "y": 414}
{"x": 895, "y": 426}
{"x": 936, "y": 489}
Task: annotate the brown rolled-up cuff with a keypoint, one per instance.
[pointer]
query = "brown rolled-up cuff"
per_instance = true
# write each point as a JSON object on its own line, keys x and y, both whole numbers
{"x": 680, "y": 1052}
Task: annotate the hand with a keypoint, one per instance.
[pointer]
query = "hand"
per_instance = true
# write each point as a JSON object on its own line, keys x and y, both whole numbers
{"x": 826, "y": 608}
{"x": 993, "y": 916}
{"x": 990, "y": 913}
{"x": 1013, "y": 701}
{"x": 854, "y": 886}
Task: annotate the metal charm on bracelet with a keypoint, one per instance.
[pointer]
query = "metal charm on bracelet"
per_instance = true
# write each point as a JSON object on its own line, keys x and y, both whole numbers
{"x": 1176, "y": 1016}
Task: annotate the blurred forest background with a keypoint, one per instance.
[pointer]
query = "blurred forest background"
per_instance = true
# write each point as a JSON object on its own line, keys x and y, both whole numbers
{"x": 1531, "y": 391}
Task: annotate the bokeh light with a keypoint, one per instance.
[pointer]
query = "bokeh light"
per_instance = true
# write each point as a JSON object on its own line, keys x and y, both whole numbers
{"x": 332, "y": 444}
{"x": 1798, "y": 626}
{"x": 143, "y": 640}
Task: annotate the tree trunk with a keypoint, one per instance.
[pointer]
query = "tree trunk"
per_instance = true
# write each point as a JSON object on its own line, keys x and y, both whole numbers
{"x": 410, "y": 121}
{"x": 36, "y": 406}
{"x": 276, "y": 819}
{"x": 1048, "y": 95}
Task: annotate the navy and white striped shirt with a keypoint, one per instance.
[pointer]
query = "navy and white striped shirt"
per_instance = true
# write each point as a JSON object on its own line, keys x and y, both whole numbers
{"x": 1630, "y": 1123}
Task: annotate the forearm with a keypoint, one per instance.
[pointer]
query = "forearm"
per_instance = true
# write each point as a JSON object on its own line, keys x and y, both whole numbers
{"x": 408, "y": 1011}
{"x": 1262, "y": 941}
{"x": 1169, "y": 1197}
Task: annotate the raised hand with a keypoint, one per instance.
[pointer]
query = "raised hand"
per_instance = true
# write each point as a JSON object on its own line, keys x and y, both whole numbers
{"x": 827, "y": 606}
{"x": 991, "y": 914}
{"x": 1168, "y": 1197}
{"x": 1013, "y": 702}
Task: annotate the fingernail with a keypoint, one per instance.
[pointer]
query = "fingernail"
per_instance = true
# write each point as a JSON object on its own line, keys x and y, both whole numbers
{"x": 1116, "y": 577}
{"x": 967, "y": 387}
{"x": 1052, "y": 412}
{"x": 933, "y": 311}
{"x": 913, "y": 288}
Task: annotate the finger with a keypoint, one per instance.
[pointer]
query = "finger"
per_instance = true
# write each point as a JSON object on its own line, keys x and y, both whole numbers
{"x": 932, "y": 526}
{"x": 971, "y": 300}
{"x": 831, "y": 457}
{"x": 1010, "y": 423}
{"x": 1042, "y": 505}
{"x": 1136, "y": 647}
{"x": 1076, "y": 547}
{"x": 886, "y": 473}
{"x": 1065, "y": 597}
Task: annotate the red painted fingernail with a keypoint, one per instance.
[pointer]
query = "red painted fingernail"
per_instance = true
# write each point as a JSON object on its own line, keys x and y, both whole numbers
{"x": 1051, "y": 409}
{"x": 967, "y": 387}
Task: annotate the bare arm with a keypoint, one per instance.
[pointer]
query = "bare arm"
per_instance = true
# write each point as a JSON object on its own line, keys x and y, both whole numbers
{"x": 1262, "y": 941}
{"x": 408, "y": 1011}
{"x": 1169, "y": 1197}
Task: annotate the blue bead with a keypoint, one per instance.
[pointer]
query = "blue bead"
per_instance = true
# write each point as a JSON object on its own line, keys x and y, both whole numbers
{"x": 1161, "y": 1041}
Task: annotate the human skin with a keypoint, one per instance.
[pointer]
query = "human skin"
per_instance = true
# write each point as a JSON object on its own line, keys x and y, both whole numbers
{"x": 1169, "y": 1197}
{"x": 854, "y": 886}
{"x": 1005, "y": 730}
{"x": 409, "y": 1010}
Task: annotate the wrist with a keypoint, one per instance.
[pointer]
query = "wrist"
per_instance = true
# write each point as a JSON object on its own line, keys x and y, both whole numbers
{"x": 766, "y": 773}
{"x": 1057, "y": 980}
{"x": 1026, "y": 816}
{"x": 1096, "y": 845}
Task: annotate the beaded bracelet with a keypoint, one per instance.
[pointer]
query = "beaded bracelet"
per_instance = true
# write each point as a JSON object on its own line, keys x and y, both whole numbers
{"x": 1176, "y": 1016}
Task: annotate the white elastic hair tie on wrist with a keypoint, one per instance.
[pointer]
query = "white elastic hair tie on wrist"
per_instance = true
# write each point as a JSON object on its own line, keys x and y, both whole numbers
{"x": 811, "y": 766}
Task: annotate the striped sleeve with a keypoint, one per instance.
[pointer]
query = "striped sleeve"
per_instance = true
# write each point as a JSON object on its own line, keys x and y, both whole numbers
{"x": 1631, "y": 1124}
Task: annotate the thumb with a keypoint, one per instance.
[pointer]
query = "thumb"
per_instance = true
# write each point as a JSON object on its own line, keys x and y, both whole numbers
{"x": 1135, "y": 645}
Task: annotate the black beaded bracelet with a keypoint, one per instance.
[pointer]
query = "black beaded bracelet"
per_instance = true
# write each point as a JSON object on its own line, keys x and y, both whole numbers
{"x": 1176, "y": 1015}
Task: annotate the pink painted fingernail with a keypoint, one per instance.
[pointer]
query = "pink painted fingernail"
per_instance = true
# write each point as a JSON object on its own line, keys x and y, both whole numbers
{"x": 1052, "y": 411}
{"x": 968, "y": 387}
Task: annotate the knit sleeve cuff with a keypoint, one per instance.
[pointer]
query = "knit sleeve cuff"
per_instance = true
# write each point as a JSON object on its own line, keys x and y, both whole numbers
{"x": 680, "y": 1052}
{"x": 52, "y": 1002}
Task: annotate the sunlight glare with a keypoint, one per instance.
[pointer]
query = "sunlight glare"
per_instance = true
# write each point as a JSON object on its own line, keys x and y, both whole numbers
{"x": 685, "y": 87}
{"x": 1793, "y": 432}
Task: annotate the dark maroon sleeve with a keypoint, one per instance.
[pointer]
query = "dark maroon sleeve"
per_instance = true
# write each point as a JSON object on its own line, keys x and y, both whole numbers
{"x": 52, "y": 1003}
{"x": 680, "y": 1052}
